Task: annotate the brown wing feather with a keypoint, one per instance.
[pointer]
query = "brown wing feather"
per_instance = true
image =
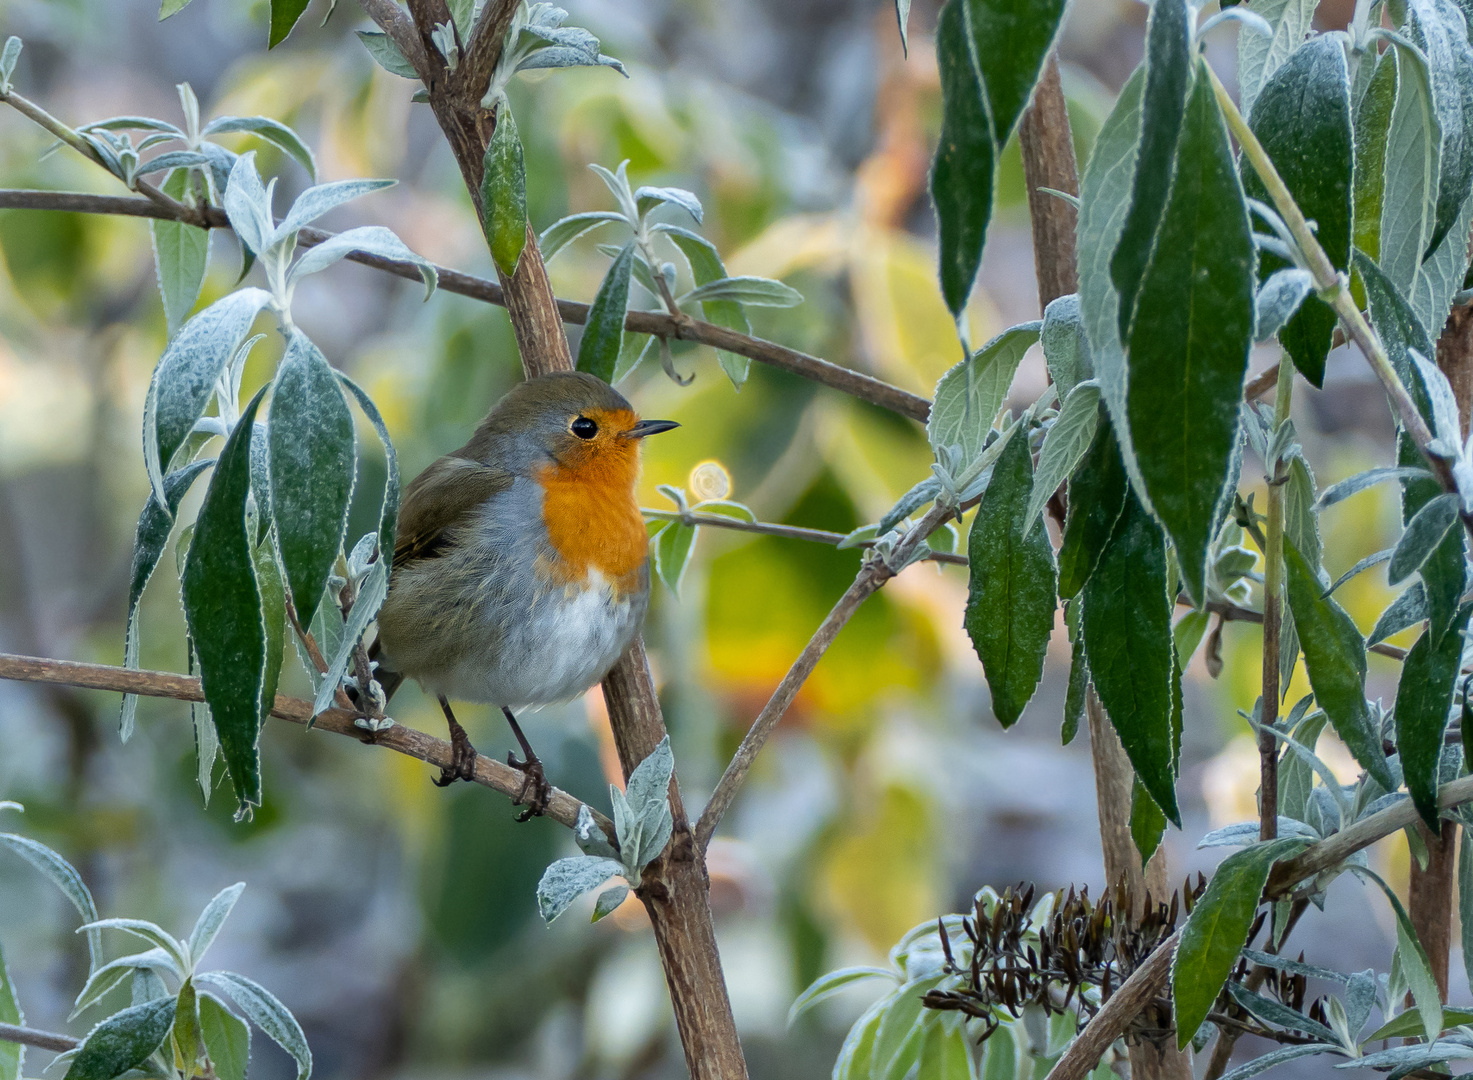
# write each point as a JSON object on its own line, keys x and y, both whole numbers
{"x": 439, "y": 499}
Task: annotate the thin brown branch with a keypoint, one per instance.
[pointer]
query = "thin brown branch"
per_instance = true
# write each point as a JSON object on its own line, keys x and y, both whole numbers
{"x": 403, "y": 740}
{"x": 788, "y": 532}
{"x": 41, "y": 1040}
{"x": 1048, "y": 162}
{"x": 854, "y": 383}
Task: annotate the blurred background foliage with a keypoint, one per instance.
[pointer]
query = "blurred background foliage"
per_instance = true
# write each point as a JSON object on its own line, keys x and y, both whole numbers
{"x": 398, "y": 920}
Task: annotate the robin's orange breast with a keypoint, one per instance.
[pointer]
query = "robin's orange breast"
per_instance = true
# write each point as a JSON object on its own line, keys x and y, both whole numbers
{"x": 592, "y": 518}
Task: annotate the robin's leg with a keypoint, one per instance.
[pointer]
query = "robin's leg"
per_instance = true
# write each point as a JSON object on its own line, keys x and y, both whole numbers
{"x": 463, "y": 762}
{"x": 531, "y": 768}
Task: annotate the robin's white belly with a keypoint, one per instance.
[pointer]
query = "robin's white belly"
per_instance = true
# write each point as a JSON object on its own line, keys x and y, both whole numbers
{"x": 565, "y": 644}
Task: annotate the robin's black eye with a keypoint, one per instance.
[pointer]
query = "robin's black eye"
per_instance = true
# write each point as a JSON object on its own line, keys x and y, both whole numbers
{"x": 584, "y": 428}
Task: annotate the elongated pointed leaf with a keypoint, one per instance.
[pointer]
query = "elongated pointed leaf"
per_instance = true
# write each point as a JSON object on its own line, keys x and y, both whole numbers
{"x": 284, "y": 15}
{"x": 1424, "y": 699}
{"x": 1217, "y": 930}
{"x": 1066, "y": 345}
{"x": 1423, "y": 533}
{"x": 1065, "y": 445}
{"x": 757, "y": 291}
{"x": 603, "y": 335}
{"x": 1406, "y": 610}
{"x": 312, "y": 470}
{"x": 945, "y": 1054}
{"x": 227, "y": 1038}
{"x": 185, "y": 377}
{"x": 268, "y": 1014}
{"x": 123, "y": 1041}
{"x": 962, "y": 175}
{"x": 386, "y": 54}
{"x": 706, "y": 267}
{"x": 1010, "y": 600}
{"x": 1147, "y": 822}
{"x": 826, "y": 986}
{"x": 149, "y": 541}
{"x": 389, "y": 507}
{"x": 1335, "y": 659}
{"x": 212, "y": 918}
{"x": 181, "y": 254}
{"x": 1097, "y": 494}
{"x": 112, "y": 973}
{"x": 1372, "y": 125}
{"x": 273, "y": 131}
{"x": 316, "y": 201}
{"x": 969, "y": 396}
{"x": 1127, "y": 636}
{"x": 64, "y": 876}
{"x": 1168, "y": 72}
{"x": 504, "y": 193}
{"x": 1443, "y": 34}
{"x": 1190, "y": 340}
{"x": 1260, "y": 55}
{"x": 222, "y": 606}
{"x": 1012, "y": 38}
{"x": 1302, "y": 117}
{"x": 370, "y": 240}
{"x": 561, "y": 233}
{"x": 567, "y": 879}
{"x": 1413, "y": 152}
{"x": 365, "y": 608}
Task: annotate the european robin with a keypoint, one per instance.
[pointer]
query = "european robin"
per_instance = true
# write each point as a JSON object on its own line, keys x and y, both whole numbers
{"x": 521, "y": 572}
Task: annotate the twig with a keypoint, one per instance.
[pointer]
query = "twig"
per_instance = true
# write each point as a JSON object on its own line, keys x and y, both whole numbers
{"x": 41, "y": 1040}
{"x": 404, "y": 740}
{"x": 789, "y": 532}
{"x": 1273, "y": 572}
{"x": 846, "y": 380}
{"x": 871, "y": 577}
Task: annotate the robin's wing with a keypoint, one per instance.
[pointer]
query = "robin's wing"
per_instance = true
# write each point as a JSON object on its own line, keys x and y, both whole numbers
{"x": 444, "y": 496}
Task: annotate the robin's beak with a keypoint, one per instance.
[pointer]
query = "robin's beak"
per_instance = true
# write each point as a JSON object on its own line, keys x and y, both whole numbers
{"x": 649, "y": 427}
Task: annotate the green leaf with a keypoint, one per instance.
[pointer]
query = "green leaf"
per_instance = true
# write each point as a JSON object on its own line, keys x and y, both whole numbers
{"x": 1410, "y": 1023}
{"x": 1168, "y": 71}
{"x": 1296, "y": 774}
{"x": 504, "y": 193}
{"x": 1413, "y": 960}
{"x": 211, "y": 919}
{"x": 123, "y": 1041}
{"x": 1259, "y": 55}
{"x": 171, "y": 7}
{"x": 181, "y": 253}
{"x": 386, "y": 54}
{"x": 969, "y": 396}
{"x": 268, "y": 1013}
{"x": 222, "y": 606}
{"x": 1066, "y": 345}
{"x": 284, "y": 15}
{"x": 670, "y": 550}
{"x": 1412, "y": 157}
{"x": 1097, "y": 494}
{"x": 273, "y": 131}
{"x": 1399, "y": 329}
{"x": 313, "y": 459}
{"x": 12, "y": 1055}
{"x": 1424, "y": 698}
{"x": 1284, "y": 1053}
{"x": 826, "y": 986}
{"x": 561, "y": 233}
{"x": 946, "y": 1054}
{"x": 1301, "y": 526}
{"x": 1064, "y": 446}
{"x": 389, "y": 507}
{"x": 369, "y": 240}
{"x": 962, "y": 175}
{"x": 1423, "y": 533}
{"x": 1217, "y": 930}
{"x": 757, "y": 291}
{"x": 64, "y": 876}
{"x": 706, "y": 267}
{"x": 1335, "y": 660}
{"x": 1011, "y": 38}
{"x": 1078, "y": 676}
{"x": 1444, "y": 573}
{"x": 188, "y": 1041}
{"x": 371, "y": 593}
{"x": 567, "y": 879}
{"x": 1442, "y": 32}
{"x": 1127, "y": 636}
{"x": 898, "y": 1042}
{"x": 603, "y": 335}
{"x": 149, "y": 541}
{"x": 1302, "y": 117}
{"x": 1405, "y": 611}
{"x": 856, "y": 1055}
{"x": 1190, "y": 339}
{"x": 1010, "y": 598}
{"x": 1147, "y": 822}
{"x": 902, "y": 16}
{"x": 608, "y": 901}
{"x": 273, "y": 620}
{"x": 150, "y": 932}
{"x": 227, "y": 1038}
{"x": 1372, "y": 125}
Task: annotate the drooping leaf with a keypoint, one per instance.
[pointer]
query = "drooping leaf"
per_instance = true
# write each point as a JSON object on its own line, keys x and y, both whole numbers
{"x": 312, "y": 470}
{"x": 1335, "y": 659}
{"x": 1278, "y": 298}
{"x": 1260, "y": 55}
{"x": 504, "y": 193}
{"x": 389, "y": 507}
{"x": 273, "y": 131}
{"x": 1372, "y": 125}
{"x": 123, "y": 1041}
{"x": 369, "y": 240}
{"x": 567, "y": 879}
{"x": 706, "y": 267}
{"x": 1423, "y": 533}
{"x": 1217, "y": 930}
{"x": 1443, "y": 35}
{"x": 386, "y": 54}
{"x": 969, "y": 396}
{"x": 1065, "y": 445}
{"x": 1011, "y": 39}
{"x": 826, "y": 986}
{"x": 227, "y": 1038}
{"x": 1097, "y": 493}
{"x": 1302, "y": 118}
{"x": 319, "y": 199}
{"x": 1147, "y": 822}
{"x": 963, "y": 172}
{"x": 1424, "y": 698}
{"x": 370, "y": 598}
{"x": 670, "y": 551}
{"x": 1296, "y": 776}
{"x": 268, "y": 1014}
{"x": 284, "y": 15}
{"x": 181, "y": 253}
{"x": 1074, "y": 698}
{"x": 603, "y": 335}
{"x": 1444, "y": 572}
{"x": 1168, "y": 72}
{"x": 149, "y": 541}
{"x": 1066, "y": 345}
{"x": 222, "y": 605}
{"x": 757, "y": 291}
{"x": 1191, "y": 337}
{"x": 1010, "y": 601}
{"x": 1406, "y": 610}
{"x": 1279, "y": 1056}
{"x": 1127, "y": 636}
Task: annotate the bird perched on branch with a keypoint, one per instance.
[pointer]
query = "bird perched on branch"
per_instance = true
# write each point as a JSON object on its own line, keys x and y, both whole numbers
{"x": 521, "y": 572}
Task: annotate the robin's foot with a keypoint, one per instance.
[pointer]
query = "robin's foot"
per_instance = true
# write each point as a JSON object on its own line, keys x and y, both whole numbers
{"x": 463, "y": 755}
{"x": 536, "y": 792}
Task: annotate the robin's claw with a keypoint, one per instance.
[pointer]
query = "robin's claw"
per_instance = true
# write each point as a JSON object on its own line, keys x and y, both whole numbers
{"x": 534, "y": 780}
{"x": 462, "y": 761}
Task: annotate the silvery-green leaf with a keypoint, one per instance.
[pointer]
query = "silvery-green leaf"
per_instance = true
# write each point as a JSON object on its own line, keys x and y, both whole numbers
{"x": 1065, "y": 344}
{"x": 826, "y": 986}
{"x": 65, "y": 877}
{"x": 862, "y": 535}
{"x": 561, "y": 233}
{"x": 567, "y": 879}
{"x": 706, "y": 267}
{"x": 1411, "y": 1057}
{"x": 112, "y": 973}
{"x": 1258, "y": 56}
{"x": 649, "y": 783}
{"x": 969, "y": 396}
{"x": 386, "y": 54}
{"x": 558, "y": 56}
{"x": 151, "y": 932}
{"x": 1445, "y": 424}
{"x": 909, "y": 503}
{"x": 1412, "y": 162}
{"x": 1277, "y": 1057}
{"x": 123, "y": 1041}
{"x": 1279, "y": 1015}
{"x": 389, "y": 508}
{"x": 1245, "y": 833}
{"x": 1440, "y": 275}
{"x": 316, "y": 201}
{"x": 175, "y": 159}
{"x": 618, "y": 184}
{"x": 211, "y": 919}
{"x": 227, "y": 1038}
{"x": 132, "y": 123}
{"x": 222, "y": 161}
{"x": 1064, "y": 446}
{"x": 248, "y": 204}
{"x": 647, "y": 198}
{"x": 603, "y": 334}
{"x": 268, "y": 1013}
{"x": 758, "y": 291}
{"x": 589, "y": 837}
{"x": 181, "y": 254}
{"x": 370, "y": 599}
{"x": 273, "y": 131}
{"x": 1278, "y": 298}
{"x": 609, "y": 900}
{"x": 8, "y": 58}
{"x": 1361, "y": 481}
{"x": 370, "y": 240}
{"x": 1375, "y": 559}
